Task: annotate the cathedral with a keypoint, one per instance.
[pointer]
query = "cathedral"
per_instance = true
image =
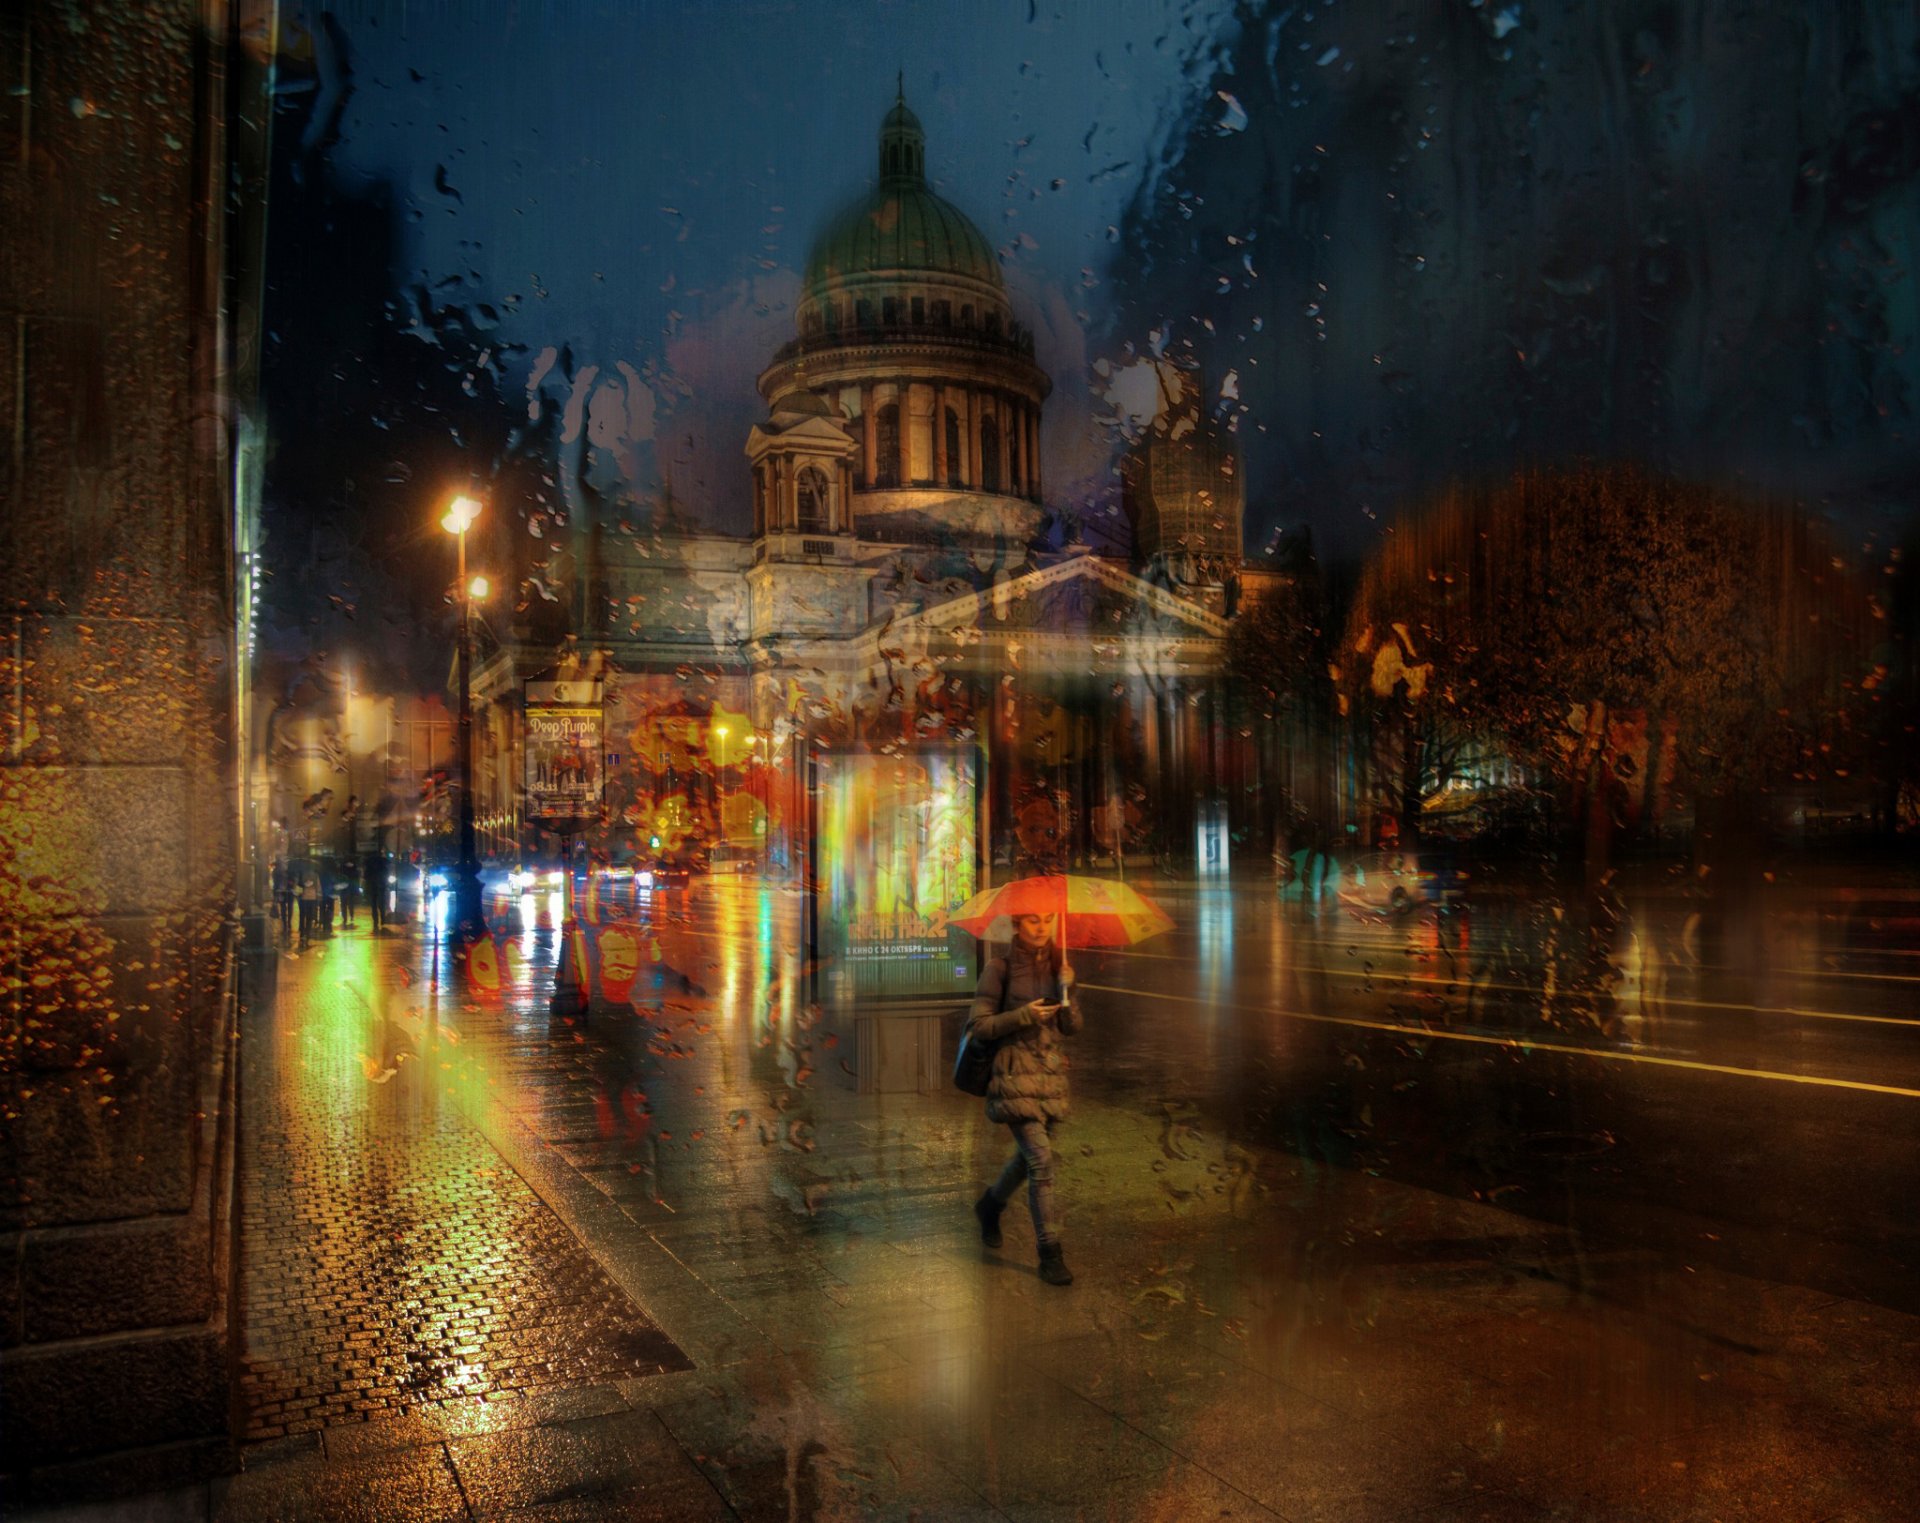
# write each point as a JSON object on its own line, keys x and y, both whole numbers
{"x": 906, "y": 587}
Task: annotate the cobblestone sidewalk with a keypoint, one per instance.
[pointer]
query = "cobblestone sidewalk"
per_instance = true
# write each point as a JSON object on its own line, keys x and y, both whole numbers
{"x": 392, "y": 1260}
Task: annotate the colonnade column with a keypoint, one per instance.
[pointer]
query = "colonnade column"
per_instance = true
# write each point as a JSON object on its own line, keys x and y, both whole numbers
{"x": 1023, "y": 487}
{"x": 974, "y": 478}
{"x": 869, "y": 437}
{"x": 1032, "y": 451}
{"x": 1002, "y": 434}
{"x": 1009, "y": 443}
{"x": 939, "y": 436}
{"x": 1172, "y": 768}
{"x": 903, "y": 410}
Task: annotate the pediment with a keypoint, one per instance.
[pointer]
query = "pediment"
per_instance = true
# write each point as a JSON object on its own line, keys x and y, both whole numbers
{"x": 821, "y": 433}
{"x": 1082, "y": 596}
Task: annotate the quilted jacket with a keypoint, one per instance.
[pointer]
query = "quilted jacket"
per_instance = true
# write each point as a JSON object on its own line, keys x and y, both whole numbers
{"x": 1030, "y": 1065}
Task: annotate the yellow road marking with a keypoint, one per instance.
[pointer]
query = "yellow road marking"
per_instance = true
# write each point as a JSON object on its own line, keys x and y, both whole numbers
{"x": 1599, "y": 1054}
{"x": 1665, "y": 999}
{"x": 1383, "y": 950}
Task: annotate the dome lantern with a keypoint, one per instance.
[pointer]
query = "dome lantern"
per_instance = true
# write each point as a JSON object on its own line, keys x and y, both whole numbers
{"x": 903, "y": 146}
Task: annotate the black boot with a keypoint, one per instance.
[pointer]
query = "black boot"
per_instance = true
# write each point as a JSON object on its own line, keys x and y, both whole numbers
{"x": 1053, "y": 1265}
{"x": 988, "y": 1210}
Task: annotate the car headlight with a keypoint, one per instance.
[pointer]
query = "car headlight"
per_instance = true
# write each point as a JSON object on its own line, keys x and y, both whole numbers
{"x": 436, "y": 880}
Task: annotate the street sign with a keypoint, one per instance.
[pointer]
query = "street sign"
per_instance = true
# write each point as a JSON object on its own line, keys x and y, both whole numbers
{"x": 565, "y": 773}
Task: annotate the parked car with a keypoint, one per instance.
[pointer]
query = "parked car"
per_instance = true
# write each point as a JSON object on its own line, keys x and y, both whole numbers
{"x": 734, "y": 859}
{"x": 1395, "y": 882}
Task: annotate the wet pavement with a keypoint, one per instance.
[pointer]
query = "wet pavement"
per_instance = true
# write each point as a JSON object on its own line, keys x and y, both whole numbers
{"x": 1268, "y": 1323}
{"x": 392, "y": 1262}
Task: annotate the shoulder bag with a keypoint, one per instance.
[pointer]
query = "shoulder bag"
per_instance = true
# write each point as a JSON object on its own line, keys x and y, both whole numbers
{"x": 973, "y": 1063}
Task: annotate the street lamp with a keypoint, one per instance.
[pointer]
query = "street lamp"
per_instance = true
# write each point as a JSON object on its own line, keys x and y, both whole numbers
{"x": 467, "y": 918}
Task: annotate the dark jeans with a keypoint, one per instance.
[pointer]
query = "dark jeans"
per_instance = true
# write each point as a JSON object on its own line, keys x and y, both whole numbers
{"x": 1034, "y": 1164}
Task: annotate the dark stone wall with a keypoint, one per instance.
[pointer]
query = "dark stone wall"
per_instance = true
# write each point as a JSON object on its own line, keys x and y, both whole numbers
{"x": 117, "y": 780}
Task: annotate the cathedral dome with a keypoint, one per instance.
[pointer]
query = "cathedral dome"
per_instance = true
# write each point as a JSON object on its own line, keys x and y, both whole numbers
{"x": 906, "y": 337}
{"x": 901, "y": 227}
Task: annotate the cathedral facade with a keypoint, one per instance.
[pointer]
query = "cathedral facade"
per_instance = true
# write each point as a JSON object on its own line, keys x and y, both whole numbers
{"x": 906, "y": 585}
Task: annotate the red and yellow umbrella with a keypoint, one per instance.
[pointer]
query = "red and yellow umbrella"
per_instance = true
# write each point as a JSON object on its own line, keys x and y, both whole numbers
{"x": 1092, "y": 912}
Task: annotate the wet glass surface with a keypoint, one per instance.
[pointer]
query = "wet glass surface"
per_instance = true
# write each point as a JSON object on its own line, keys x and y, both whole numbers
{"x": 589, "y": 588}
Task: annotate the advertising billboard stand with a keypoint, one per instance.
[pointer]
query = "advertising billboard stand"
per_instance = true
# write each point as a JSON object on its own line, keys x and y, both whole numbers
{"x": 892, "y": 849}
{"x": 565, "y": 786}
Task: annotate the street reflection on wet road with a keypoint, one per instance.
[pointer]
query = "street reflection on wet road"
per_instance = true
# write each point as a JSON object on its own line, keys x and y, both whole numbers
{"x": 1329, "y": 1174}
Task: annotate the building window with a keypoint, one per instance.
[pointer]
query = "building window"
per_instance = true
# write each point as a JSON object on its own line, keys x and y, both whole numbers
{"x": 832, "y": 313}
{"x": 966, "y": 314}
{"x": 886, "y": 433}
{"x": 919, "y": 310}
{"x": 943, "y": 314}
{"x": 989, "y": 455}
{"x": 953, "y": 448}
{"x": 815, "y": 499}
{"x": 865, "y": 310}
{"x": 889, "y": 310}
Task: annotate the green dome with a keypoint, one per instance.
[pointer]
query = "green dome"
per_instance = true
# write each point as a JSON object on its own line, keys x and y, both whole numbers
{"x": 901, "y": 225}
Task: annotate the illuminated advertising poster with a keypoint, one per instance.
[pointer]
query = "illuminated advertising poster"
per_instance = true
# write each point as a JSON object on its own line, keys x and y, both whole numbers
{"x": 688, "y": 773}
{"x": 565, "y": 775}
{"x": 897, "y": 841}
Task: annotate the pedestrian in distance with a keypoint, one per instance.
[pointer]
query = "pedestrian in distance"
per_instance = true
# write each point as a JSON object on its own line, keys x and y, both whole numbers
{"x": 282, "y": 888}
{"x": 349, "y": 892}
{"x": 374, "y": 876}
{"x": 1025, "y": 1004}
{"x": 326, "y": 901}
{"x": 309, "y": 905}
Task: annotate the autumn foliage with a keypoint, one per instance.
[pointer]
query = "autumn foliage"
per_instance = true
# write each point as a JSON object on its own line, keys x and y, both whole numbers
{"x": 1600, "y": 623}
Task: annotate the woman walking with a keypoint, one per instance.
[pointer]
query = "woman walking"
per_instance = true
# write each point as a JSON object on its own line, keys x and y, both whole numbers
{"x": 1025, "y": 1002}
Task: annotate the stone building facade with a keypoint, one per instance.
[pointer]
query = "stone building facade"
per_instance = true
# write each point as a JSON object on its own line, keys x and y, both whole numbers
{"x": 906, "y": 582}
{"x": 132, "y": 152}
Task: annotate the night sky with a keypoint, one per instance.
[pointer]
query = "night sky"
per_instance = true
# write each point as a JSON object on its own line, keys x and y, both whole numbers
{"x": 1406, "y": 243}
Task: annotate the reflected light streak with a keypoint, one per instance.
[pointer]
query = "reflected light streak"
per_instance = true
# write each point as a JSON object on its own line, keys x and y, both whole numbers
{"x": 1215, "y": 926}
{"x": 731, "y": 923}
{"x": 529, "y": 915}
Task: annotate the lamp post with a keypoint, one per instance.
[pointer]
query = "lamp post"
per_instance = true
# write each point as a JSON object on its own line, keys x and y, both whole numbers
{"x": 467, "y": 918}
